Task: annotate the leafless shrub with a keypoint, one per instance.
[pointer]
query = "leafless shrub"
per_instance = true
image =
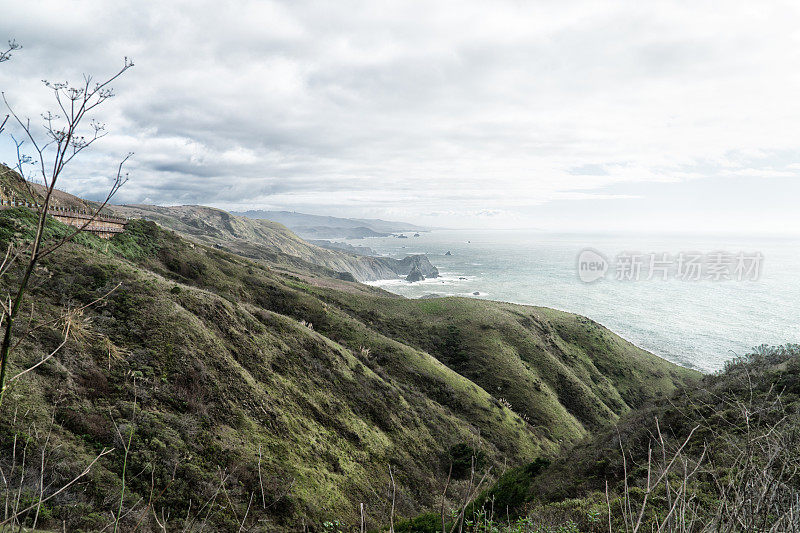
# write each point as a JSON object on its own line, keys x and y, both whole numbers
{"x": 27, "y": 477}
{"x": 749, "y": 468}
{"x": 60, "y": 140}
{"x": 758, "y": 483}
{"x": 29, "y": 483}
{"x": 681, "y": 507}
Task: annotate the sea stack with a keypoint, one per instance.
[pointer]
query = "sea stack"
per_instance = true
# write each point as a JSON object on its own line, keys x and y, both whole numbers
{"x": 415, "y": 275}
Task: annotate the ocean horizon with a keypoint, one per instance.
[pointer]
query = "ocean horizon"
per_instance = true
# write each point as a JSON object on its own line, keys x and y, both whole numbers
{"x": 699, "y": 324}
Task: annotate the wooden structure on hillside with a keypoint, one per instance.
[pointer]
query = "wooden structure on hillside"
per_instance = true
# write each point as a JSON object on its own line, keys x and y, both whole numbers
{"x": 104, "y": 226}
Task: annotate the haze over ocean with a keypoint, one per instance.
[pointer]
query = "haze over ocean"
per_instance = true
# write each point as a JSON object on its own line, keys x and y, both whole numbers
{"x": 699, "y": 324}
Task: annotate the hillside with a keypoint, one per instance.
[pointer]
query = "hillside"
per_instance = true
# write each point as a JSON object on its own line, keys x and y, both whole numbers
{"x": 333, "y": 232}
{"x": 254, "y": 238}
{"x": 12, "y": 185}
{"x": 297, "y": 221}
{"x": 268, "y": 240}
{"x": 567, "y": 374}
{"x": 721, "y": 454}
{"x": 292, "y": 393}
{"x": 334, "y": 245}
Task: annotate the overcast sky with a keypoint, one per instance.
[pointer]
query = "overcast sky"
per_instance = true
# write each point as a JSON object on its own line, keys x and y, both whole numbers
{"x": 552, "y": 114}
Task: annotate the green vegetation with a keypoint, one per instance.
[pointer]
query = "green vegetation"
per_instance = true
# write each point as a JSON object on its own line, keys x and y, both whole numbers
{"x": 14, "y": 187}
{"x": 266, "y": 241}
{"x": 564, "y": 374}
{"x": 723, "y": 454}
{"x": 247, "y": 388}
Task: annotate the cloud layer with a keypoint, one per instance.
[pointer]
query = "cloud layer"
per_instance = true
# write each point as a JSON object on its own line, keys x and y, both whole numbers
{"x": 449, "y": 113}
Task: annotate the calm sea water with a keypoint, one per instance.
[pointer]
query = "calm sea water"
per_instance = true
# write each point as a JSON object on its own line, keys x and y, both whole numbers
{"x": 699, "y": 324}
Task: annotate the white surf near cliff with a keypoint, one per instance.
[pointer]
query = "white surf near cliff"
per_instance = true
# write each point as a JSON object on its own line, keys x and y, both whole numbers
{"x": 699, "y": 324}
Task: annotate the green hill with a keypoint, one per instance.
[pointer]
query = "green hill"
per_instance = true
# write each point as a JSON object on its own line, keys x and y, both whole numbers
{"x": 721, "y": 454}
{"x": 269, "y": 241}
{"x": 284, "y": 394}
{"x": 565, "y": 373}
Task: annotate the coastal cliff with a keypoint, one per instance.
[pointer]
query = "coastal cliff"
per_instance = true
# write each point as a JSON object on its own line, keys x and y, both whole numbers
{"x": 267, "y": 240}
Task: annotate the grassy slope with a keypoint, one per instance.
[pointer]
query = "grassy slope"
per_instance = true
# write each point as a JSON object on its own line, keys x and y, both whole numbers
{"x": 218, "y": 374}
{"x": 572, "y": 488}
{"x": 258, "y": 239}
{"x": 566, "y": 373}
{"x": 12, "y": 186}
{"x": 710, "y": 404}
{"x": 223, "y": 364}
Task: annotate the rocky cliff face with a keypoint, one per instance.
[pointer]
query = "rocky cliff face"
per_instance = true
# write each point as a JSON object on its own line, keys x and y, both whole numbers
{"x": 420, "y": 262}
{"x": 263, "y": 239}
{"x": 415, "y": 275}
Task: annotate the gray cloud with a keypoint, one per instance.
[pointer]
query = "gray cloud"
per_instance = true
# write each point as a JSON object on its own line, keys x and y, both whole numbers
{"x": 433, "y": 112}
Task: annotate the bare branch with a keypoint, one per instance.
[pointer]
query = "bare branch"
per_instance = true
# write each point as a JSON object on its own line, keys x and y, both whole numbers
{"x": 44, "y": 359}
{"x": 62, "y": 489}
{"x": 12, "y": 46}
{"x": 62, "y": 144}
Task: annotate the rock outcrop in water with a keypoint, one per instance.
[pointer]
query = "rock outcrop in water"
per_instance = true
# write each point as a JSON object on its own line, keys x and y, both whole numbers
{"x": 404, "y": 266}
{"x": 415, "y": 275}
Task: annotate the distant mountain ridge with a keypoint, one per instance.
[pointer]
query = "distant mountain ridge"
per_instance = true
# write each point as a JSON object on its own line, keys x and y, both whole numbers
{"x": 267, "y": 240}
{"x": 259, "y": 239}
{"x": 328, "y": 232}
{"x": 296, "y": 221}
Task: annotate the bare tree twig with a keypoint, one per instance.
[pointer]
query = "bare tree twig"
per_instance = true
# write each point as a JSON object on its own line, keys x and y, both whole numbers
{"x": 62, "y": 143}
{"x": 62, "y": 489}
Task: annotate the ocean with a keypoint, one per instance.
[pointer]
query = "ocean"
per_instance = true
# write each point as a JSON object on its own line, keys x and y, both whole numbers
{"x": 698, "y": 323}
